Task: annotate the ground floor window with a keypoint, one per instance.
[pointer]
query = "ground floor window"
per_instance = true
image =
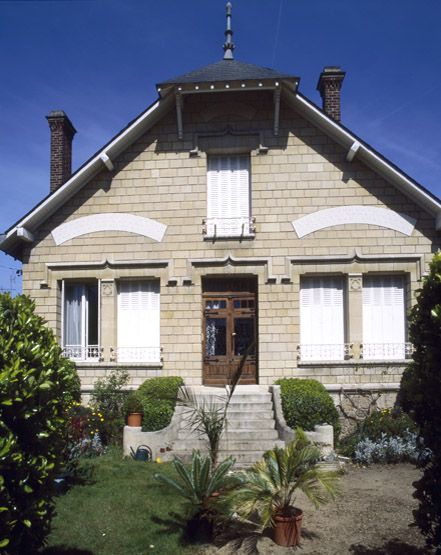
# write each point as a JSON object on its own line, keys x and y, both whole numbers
{"x": 384, "y": 317}
{"x": 138, "y": 321}
{"x": 81, "y": 320}
{"x": 322, "y": 327}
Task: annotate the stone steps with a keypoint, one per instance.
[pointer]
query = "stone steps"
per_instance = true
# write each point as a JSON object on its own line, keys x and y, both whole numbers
{"x": 250, "y": 428}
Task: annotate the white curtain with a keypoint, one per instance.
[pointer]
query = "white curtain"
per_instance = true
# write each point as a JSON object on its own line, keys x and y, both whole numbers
{"x": 73, "y": 302}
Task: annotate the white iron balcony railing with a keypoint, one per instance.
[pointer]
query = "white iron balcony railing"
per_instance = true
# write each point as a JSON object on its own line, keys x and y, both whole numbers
{"x": 324, "y": 352}
{"x": 229, "y": 227}
{"x": 81, "y": 353}
{"x": 136, "y": 354}
{"x": 386, "y": 351}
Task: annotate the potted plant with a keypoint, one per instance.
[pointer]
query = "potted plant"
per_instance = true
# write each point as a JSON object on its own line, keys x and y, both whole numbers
{"x": 199, "y": 484}
{"x": 134, "y": 409}
{"x": 265, "y": 494}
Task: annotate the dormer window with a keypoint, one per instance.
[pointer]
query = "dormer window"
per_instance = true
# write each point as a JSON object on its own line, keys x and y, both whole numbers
{"x": 228, "y": 197}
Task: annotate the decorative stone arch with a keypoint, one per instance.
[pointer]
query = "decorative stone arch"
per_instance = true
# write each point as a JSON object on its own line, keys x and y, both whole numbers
{"x": 372, "y": 215}
{"x": 109, "y": 222}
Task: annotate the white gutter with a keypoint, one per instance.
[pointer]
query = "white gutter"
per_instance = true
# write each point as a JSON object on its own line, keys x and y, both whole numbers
{"x": 74, "y": 184}
{"x": 366, "y": 154}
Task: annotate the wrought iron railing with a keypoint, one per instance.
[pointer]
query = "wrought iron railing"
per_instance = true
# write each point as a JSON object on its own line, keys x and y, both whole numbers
{"x": 386, "y": 351}
{"x": 354, "y": 351}
{"x": 324, "y": 352}
{"x": 79, "y": 352}
{"x": 229, "y": 227}
{"x": 135, "y": 354}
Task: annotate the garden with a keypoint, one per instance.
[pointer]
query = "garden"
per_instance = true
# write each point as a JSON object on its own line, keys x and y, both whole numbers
{"x": 65, "y": 487}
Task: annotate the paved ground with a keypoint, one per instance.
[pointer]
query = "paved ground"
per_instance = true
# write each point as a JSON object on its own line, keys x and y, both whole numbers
{"x": 372, "y": 517}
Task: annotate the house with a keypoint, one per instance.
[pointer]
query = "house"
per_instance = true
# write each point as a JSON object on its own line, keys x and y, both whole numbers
{"x": 232, "y": 209}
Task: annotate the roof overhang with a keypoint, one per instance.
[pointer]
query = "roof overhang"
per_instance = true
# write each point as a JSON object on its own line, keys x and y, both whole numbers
{"x": 227, "y": 86}
{"x": 22, "y": 230}
{"x": 357, "y": 148}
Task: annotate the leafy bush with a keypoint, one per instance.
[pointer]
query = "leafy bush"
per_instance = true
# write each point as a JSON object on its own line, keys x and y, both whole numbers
{"x": 37, "y": 384}
{"x": 306, "y": 403}
{"x": 420, "y": 396}
{"x": 387, "y": 423}
{"x": 390, "y": 449}
{"x": 109, "y": 397}
{"x": 158, "y": 397}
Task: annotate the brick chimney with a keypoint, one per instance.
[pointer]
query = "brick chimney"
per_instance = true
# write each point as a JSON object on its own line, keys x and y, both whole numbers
{"x": 329, "y": 86}
{"x": 62, "y": 134}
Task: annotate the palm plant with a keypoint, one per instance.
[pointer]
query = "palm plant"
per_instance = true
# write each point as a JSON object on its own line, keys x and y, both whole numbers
{"x": 208, "y": 418}
{"x": 269, "y": 488}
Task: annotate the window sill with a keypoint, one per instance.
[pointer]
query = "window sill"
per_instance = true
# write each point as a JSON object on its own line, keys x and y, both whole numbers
{"x": 360, "y": 362}
{"x": 245, "y": 237}
{"x": 100, "y": 363}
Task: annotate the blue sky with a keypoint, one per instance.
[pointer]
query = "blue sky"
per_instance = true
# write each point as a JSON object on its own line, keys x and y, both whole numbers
{"x": 99, "y": 60}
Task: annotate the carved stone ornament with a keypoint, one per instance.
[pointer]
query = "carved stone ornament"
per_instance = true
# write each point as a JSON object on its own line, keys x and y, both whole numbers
{"x": 107, "y": 289}
{"x": 355, "y": 283}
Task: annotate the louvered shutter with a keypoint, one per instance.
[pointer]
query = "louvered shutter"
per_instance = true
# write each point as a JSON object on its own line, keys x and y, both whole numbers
{"x": 322, "y": 318}
{"x": 138, "y": 321}
{"x": 228, "y": 195}
{"x": 383, "y": 317}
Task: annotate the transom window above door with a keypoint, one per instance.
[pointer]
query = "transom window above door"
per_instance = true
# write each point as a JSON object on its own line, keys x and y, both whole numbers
{"x": 228, "y": 197}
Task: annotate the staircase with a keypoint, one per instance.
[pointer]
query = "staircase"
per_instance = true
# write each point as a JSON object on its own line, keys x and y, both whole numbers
{"x": 250, "y": 428}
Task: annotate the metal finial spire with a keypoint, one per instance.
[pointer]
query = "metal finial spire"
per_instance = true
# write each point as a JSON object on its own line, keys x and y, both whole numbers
{"x": 228, "y": 46}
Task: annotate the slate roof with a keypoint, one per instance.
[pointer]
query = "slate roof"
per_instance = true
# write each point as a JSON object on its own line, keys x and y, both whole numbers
{"x": 228, "y": 70}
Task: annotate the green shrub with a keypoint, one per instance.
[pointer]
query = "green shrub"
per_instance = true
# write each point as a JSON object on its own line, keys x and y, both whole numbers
{"x": 37, "y": 385}
{"x": 109, "y": 397}
{"x": 159, "y": 399}
{"x": 420, "y": 396}
{"x": 386, "y": 423}
{"x": 306, "y": 403}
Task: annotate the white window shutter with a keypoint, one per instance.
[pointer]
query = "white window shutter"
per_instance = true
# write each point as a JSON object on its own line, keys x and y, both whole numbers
{"x": 228, "y": 195}
{"x": 322, "y": 318}
{"x": 384, "y": 319}
{"x": 138, "y": 321}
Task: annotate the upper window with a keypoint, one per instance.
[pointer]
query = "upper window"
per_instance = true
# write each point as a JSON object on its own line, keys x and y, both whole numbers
{"x": 322, "y": 329}
{"x": 228, "y": 196}
{"x": 384, "y": 321}
{"x": 138, "y": 321}
{"x": 80, "y": 320}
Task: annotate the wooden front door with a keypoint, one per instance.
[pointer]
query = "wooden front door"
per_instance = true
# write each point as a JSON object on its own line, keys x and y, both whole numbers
{"x": 229, "y": 329}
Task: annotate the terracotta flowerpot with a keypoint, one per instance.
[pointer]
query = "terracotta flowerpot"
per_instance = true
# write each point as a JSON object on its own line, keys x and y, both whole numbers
{"x": 287, "y": 528}
{"x": 134, "y": 419}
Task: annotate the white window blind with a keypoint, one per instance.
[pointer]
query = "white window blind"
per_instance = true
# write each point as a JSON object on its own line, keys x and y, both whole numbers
{"x": 228, "y": 195}
{"x": 138, "y": 321}
{"x": 322, "y": 330}
{"x": 383, "y": 317}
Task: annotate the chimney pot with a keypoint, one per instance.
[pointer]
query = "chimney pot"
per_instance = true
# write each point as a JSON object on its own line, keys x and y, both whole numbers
{"x": 329, "y": 86}
{"x": 62, "y": 134}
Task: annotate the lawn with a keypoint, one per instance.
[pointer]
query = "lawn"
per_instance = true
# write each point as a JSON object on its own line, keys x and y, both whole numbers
{"x": 119, "y": 510}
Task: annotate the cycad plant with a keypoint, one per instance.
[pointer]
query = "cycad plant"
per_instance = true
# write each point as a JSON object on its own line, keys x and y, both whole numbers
{"x": 269, "y": 488}
{"x": 198, "y": 483}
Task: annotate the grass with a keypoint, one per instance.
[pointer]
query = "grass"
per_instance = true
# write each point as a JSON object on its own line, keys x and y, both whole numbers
{"x": 119, "y": 510}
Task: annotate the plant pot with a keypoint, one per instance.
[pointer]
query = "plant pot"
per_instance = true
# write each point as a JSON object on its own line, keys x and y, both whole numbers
{"x": 287, "y": 528}
{"x": 134, "y": 419}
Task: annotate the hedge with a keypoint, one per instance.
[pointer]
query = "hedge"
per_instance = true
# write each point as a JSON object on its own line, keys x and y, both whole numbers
{"x": 306, "y": 403}
{"x": 158, "y": 397}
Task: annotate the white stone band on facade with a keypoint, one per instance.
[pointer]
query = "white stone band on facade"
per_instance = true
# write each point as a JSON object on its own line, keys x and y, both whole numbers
{"x": 339, "y": 215}
{"x": 109, "y": 222}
